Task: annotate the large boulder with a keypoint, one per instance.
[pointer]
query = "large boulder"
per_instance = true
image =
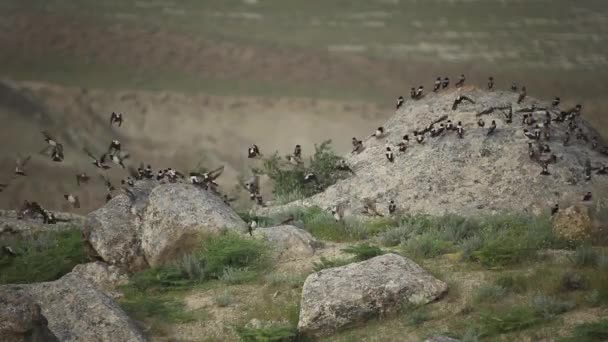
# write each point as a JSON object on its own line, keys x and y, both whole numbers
{"x": 176, "y": 215}
{"x": 21, "y": 318}
{"x": 161, "y": 222}
{"x": 289, "y": 242}
{"x": 78, "y": 311}
{"x": 336, "y": 297}
{"x": 106, "y": 277}
{"x": 573, "y": 223}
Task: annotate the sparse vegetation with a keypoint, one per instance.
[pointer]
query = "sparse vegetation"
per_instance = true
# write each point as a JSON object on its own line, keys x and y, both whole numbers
{"x": 163, "y": 309}
{"x": 269, "y": 333}
{"x": 513, "y": 319}
{"x": 549, "y": 307}
{"x": 223, "y": 300}
{"x": 44, "y": 257}
{"x": 586, "y": 256}
{"x": 363, "y": 252}
{"x": 589, "y": 332}
{"x": 490, "y": 294}
{"x": 330, "y": 263}
{"x": 515, "y": 283}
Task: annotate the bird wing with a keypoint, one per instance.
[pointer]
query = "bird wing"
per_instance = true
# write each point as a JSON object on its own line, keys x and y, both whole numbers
{"x": 103, "y": 158}
{"x": 47, "y": 135}
{"x": 214, "y": 174}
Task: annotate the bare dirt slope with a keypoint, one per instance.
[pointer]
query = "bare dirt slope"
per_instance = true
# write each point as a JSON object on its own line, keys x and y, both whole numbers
{"x": 476, "y": 174}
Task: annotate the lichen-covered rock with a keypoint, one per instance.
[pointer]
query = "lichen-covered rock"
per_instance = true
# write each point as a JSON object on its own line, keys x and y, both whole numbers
{"x": 573, "y": 223}
{"x": 336, "y": 297}
{"x": 289, "y": 242}
{"x": 106, "y": 277}
{"x": 77, "y": 310}
{"x": 21, "y": 318}
{"x": 478, "y": 174}
{"x": 160, "y": 223}
{"x": 177, "y": 214}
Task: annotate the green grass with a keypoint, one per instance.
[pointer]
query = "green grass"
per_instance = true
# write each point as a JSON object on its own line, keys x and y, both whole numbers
{"x": 325, "y": 263}
{"x": 589, "y": 332}
{"x": 490, "y": 294}
{"x": 363, "y": 251}
{"x": 515, "y": 283}
{"x": 44, "y": 257}
{"x": 143, "y": 306}
{"x": 269, "y": 333}
{"x": 512, "y": 319}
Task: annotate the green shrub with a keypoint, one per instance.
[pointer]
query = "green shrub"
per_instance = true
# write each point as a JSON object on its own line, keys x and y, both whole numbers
{"x": 572, "y": 281}
{"x": 272, "y": 333}
{"x": 589, "y": 332}
{"x": 513, "y": 283}
{"x": 549, "y": 307}
{"x": 363, "y": 252}
{"x": 234, "y": 251}
{"x": 427, "y": 245}
{"x": 43, "y": 257}
{"x": 514, "y": 319}
{"x": 503, "y": 251}
{"x": 585, "y": 256}
{"x": 417, "y": 316}
{"x": 233, "y": 276}
{"x": 393, "y": 237}
{"x": 289, "y": 180}
{"x": 490, "y": 294}
{"x": 329, "y": 263}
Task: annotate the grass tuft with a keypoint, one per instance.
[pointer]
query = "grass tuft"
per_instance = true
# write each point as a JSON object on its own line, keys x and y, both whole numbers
{"x": 589, "y": 332}
{"x": 269, "y": 333}
{"x": 490, "y": 294}
{"x": 363, "y": 252}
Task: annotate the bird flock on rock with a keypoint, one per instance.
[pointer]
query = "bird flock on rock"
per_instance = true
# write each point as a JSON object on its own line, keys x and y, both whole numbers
{"x": 537, "y": 120}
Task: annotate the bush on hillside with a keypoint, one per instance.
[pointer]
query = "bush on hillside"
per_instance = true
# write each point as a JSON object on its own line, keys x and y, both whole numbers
{"x": 43, "y": 257}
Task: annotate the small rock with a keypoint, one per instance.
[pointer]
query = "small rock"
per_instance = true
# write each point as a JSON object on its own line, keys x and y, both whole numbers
{"x": 573, "y": 223}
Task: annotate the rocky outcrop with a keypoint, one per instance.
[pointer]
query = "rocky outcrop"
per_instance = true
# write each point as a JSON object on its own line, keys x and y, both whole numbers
{"x": 21, "y": 318}
{"x": 573, "y": 223}
{"x": 77, "y": 311}
{"x": 162, "y": 221}
{"x": 179, "y": 213}
{"x": 478, "y": 174}
{"x": 105, "y": 277}
{"x": 289, "y": 242}
{"x": 336, "y": 297}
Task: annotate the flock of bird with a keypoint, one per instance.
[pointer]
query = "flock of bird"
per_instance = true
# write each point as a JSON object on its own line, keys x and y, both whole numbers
{"x": 115, "y": 155}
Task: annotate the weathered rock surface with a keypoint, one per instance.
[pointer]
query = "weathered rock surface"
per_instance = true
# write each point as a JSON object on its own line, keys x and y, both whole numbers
{"x": 573, "y": 223}
{"x": 289, "y": 242}
{"x": 77, "y": 311}
{"x": 176, "y": 214}
{"x": 167, "y": 218}
{"x": 106, "y": 277}
{"x": 336, "y": 297}
{"x": 20, "y": 318}
{"x": 477, "y": 174}
{"x": 441, "y": 338}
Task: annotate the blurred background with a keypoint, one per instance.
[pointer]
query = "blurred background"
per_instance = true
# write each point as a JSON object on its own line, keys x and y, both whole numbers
{"x": 200, "y": 80}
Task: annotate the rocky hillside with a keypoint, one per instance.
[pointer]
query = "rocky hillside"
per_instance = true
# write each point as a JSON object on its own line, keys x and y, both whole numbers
{"x": 479, "y": 173}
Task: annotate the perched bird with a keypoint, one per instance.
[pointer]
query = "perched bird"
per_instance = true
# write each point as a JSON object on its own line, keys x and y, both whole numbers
{"x": 357, "y": 145}
{"x": 492, "y": 127}
{"x": 253, "y": 151}
{"x": 379, "y": 133}
{"x": 116, "y": 118}
{"x": 54, "y": 146}
{"x": 545, "y": 171}
{"x": 98, "y": 162}
{"x": 587, "y": 197}
{"x": 392, "y": 207}
{"x": 20, "y": 165}
{"x": 413, "y": 93}
{"x": 522, "y": 95}
{"x": 251, "y": 226}
{"x": 481, "y": 123}
{"x": 509, "y": 115}
{"x": 445, "y": 83}
{"x": 555, "y": 209}
{"x": 389, "y": 155}
{"x": 459, "y": 100}
{"x": 555, "y": 102}
{"x": 460, "y": 130}
{"x": 531, "y": 151}
{"x": 513, "y": 87}
{"x": 437, "y": 85}
{"x": 490, "y": 83}
{"x": 293, "y": 160}
{"x": 114, "y": 147}
{"x": 419, "y": 92}
{"x": 449, "y": 125}
{"x": 399, "y": 102}
{"x": 461, "y": 80}
{"x": 73, "y": 200}
{"x": 297, "y": 151}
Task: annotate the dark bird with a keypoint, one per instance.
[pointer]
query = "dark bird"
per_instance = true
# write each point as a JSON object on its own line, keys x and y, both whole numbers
{"x": 492, "y": 127}
{"x": 399, "y": 102}
{"x": 481, "y": 123}
{"x": 20, "y": 165}
{"x": 52, "y": 145}
{"x": 210, "y": 176}
{"x": 449, "y": 125}
{"x": 73, "y": 200}
{"x": 587, "y": 170}
{"x": 490, "y": 83}
{"x": 445, "y": 83}
{"x": 392, "y": 207}
{"x": 82, "y": 178}
{"x": 594, "y": 142}
{"x": 7, "y": 250}
{"x": 114, "y": 147}
{"x": 379, "y": 133}
{"x": 297, "y": 151}
{"x": 253, "y": 151}
{"x": 116, "y": 118}
{"x": 357, "y": 145}
{"x": 459, "y": 100}
{"x": 537, "y": 132}
{"x": 514, "y": 87}
{"x": 437, "y": 85}
{"x": 587, "y": 197}
{"x": 461, "y": 80}
{"x": 545, "y": 171}
{"x": 522, "y": 95}
{"x": 98, "y": 162}
{"x": 251, "y": 226}
{"x": 460, "y": 130}
{"x": 555, "y": 102}
{"x": 389, "y": 155}
{"x": 413, "y": 93}
{"x": 555, "y": 209}
{"x": 310, "y": 177}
